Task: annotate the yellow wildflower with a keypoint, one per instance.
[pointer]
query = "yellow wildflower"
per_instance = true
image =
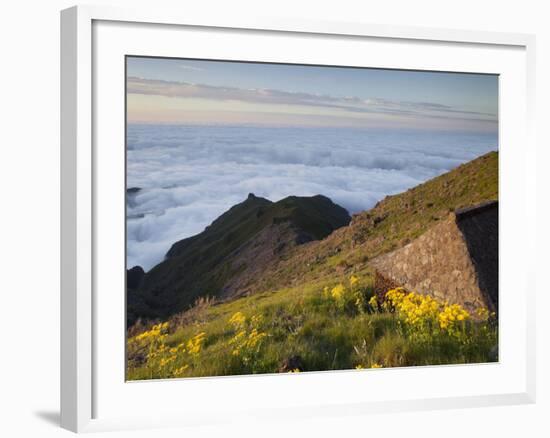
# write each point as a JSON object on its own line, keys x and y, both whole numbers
{"x": 194, "y": 344}
{"x": 338, "y": 292}
{"x": 373, "y": 302}
{"x": 248, "y": 339}
{"x": 179, "y": 371}
{"x": 482, "y": 313}
{"x": 237, "y": 320}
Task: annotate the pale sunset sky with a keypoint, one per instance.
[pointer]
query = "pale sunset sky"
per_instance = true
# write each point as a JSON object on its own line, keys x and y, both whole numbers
{"x": 180, "y": 91}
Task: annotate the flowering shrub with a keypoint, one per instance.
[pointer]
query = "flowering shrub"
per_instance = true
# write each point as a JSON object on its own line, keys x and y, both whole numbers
{"x": 161, "y": 360}
{"x": 248, "y": 339}
{"x": 483, "y": 314}
{"x": 373, "y": 303}
{"x": 425, "y": 316}
{"x": 194, "y": 345}
{"x": 348, "y": 298}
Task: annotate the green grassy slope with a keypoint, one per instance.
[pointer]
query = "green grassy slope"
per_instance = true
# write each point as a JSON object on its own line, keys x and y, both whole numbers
{"x": 391, "y": 224}
{"x": 294, "y": 310}
{"x": 306, "y": 323}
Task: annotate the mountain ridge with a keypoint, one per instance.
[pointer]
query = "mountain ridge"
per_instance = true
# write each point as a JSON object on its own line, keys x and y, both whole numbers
{"x": 282, "y": 244}
{"x": 392, "y": 223}
{"x": 232, "y": 251}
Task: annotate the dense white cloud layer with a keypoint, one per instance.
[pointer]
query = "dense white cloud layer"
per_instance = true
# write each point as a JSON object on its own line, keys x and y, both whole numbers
{"x": 190, "y": 175}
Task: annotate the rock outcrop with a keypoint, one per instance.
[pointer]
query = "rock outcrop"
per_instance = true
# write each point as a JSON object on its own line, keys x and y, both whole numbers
{"x": 455, "y": 261}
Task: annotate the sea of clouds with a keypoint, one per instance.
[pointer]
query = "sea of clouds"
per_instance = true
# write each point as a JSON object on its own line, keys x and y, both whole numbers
{"x": 189, "y": 175}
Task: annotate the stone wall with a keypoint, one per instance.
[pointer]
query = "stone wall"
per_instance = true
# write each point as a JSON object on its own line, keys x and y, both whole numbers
{"x": 455, "y": 261}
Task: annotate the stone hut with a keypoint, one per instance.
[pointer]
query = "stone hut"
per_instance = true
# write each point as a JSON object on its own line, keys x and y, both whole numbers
{"x": 456, "y": 260}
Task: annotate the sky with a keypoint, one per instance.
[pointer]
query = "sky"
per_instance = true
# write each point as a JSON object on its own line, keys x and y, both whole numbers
{"x": 181, "y": 91}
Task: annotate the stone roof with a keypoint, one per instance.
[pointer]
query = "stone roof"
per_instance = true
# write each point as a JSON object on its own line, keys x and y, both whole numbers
{"x": 462, "y": 213}
{"x": 456, "y": 260}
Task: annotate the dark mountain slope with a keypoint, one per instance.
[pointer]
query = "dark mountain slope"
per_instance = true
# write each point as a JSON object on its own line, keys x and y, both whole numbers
{"x": 232, "y": 252}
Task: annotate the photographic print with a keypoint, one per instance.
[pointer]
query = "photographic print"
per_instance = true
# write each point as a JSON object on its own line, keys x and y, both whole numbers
{"x": 287, "y": 218}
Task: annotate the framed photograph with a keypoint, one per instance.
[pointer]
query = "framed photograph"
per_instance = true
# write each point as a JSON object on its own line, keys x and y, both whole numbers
{"x": 290, "y": 218}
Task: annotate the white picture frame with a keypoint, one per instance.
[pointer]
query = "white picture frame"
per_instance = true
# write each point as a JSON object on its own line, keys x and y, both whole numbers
{"x": 83, "y": 174}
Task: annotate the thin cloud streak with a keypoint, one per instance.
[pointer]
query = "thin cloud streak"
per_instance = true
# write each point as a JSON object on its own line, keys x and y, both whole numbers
{"x": 351, "y": 104}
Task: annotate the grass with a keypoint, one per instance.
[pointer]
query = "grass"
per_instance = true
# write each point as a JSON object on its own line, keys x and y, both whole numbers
{"x": 308, "y": 323}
